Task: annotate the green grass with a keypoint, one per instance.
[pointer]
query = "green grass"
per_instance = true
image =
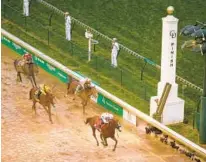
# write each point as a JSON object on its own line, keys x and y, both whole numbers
{"x": 139, "y": 32}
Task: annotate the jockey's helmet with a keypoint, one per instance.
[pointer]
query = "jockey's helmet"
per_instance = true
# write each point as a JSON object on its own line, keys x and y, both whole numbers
{"x": 27, "y": 56}
{"x": 88, "y": 80}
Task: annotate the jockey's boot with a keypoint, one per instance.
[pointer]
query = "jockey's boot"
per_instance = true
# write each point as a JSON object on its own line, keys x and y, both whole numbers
{"x": 98, "y": 127}
{"x": 37, "y": 95}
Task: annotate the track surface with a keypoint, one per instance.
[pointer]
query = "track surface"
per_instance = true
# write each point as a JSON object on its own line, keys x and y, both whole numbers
{"x": 30, "y": 138}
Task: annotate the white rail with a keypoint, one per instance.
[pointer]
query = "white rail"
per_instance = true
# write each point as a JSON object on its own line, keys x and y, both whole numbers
{"x": 199, "y": 150}
{"x": 184, "y": 81}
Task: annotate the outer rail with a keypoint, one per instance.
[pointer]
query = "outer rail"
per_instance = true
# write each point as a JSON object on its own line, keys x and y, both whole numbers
{"x": 199, "y": 150}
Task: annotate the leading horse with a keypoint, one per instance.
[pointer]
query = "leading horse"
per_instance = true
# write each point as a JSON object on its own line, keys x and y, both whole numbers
{"x": 84, "y": 94}
{"x": 45, "y": 100}
{"x": 28, "y": 69}
{"x": 107, "y": 130}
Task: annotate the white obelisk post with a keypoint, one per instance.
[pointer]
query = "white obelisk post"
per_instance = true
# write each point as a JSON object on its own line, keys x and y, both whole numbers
{"x": 173, "y": 111}
{"x": 26, "y": 7}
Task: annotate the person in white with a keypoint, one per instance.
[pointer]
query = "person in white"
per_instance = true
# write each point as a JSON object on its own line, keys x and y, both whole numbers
{"x": 83, "y": 83}
{"x": 68, "y": 26}
{"x": 115, "y": 50}
{"x": 106, "y": 117}
{"x": 26, "y": 7}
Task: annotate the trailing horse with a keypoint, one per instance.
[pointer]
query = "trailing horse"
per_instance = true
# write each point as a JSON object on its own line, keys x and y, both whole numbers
{"x": 45, "y": 100}
{"x": 84, "y": 94}
{"x": 107, "y": 130}
{"x": 28, "y": 69}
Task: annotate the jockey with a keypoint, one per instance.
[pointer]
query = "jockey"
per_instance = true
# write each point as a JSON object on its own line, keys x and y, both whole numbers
{"x": 83, "y": 84}
{"x": 43, "y": 89}
{"x": 27, "y": 58}
{"x": 105, "y": 118}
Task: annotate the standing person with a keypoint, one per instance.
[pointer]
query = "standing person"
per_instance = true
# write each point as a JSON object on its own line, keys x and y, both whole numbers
{"x": 68, "y": 26}
{"x": 115, "y": 50}
{"x": 26, "y": 8}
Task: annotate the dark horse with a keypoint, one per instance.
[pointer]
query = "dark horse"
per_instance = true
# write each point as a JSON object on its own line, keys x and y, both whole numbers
{"x": 45, "y": 100}
{"x": 28, "y": 69}
{"x": 107, "y": 130}
{"x": 84, "y": 94}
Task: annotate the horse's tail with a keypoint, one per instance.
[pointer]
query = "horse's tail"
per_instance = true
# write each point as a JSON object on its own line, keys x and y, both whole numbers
{"x": 15, "y": 64}
{"x": 87, "y": 120}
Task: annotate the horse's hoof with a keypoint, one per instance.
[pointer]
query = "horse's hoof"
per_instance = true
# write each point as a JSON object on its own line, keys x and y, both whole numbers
{"x": 103, "y": 143}
{"x": 113, "y": 150}
{"x": 97, "y": 144}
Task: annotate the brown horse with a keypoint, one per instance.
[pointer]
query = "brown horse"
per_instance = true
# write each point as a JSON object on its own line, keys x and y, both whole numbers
{"x": 29, "y": 70}
{"x": 107, "y": 130}
{"x": 84, "y": 94}
{"x": 45, "y": 100}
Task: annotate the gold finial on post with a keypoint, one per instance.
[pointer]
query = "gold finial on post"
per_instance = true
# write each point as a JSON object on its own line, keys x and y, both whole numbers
{"x": 170, "y": 10}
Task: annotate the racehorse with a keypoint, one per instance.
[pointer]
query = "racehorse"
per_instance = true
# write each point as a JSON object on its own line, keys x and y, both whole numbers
{"x": 28, "y": 69}
{"x": 107, "y": 130}
{"x": 45, "y": 100}
{"x": 84, "y": 94}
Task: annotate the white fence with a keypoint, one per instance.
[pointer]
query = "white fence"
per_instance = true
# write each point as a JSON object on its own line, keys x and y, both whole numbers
{"x": 132, "y": 111}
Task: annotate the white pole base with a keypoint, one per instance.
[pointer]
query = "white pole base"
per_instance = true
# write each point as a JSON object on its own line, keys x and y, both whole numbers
{"x": 173, "y": 110}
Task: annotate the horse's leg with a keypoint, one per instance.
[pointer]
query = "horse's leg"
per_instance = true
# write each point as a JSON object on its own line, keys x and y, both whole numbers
{"x": 115, "y": 143}
{"x": 49, "y": 112}
{"x": 19, "y": 76}
{"x": 84, "y": 105}
{"x": 34, "y": 79}
{"x": 94, "y": 134}
{"x": 34, "y": 107}
{"x": 46, "y": 109}
{"x": 31, "y": 80}
{"x": 104, "y": 141}
{"x": 101, "y": 137}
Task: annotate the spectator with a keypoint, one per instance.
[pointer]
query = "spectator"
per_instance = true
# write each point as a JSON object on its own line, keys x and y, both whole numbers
{"x": 115, "y": 50}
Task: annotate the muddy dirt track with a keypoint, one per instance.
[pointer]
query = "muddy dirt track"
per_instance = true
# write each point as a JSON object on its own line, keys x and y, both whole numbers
{"x": 30, "y": 138}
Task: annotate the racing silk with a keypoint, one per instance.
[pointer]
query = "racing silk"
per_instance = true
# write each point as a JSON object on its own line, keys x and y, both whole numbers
{"x": 82, "y": 82}
{"x": 44, "y": 88}
{"x": 106, "y": 117}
